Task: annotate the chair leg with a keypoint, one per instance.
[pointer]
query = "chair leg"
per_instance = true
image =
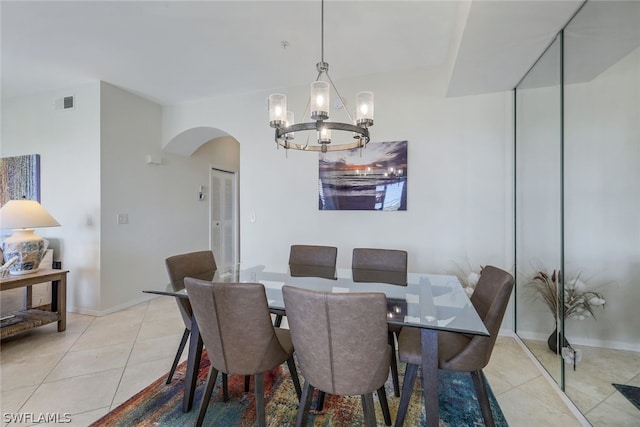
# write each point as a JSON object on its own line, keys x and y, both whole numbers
{"x": 294, "y": 376}
{"x": 319, "y": 402}
{"x": 225, "y": 388}
{"x": 384, "y": 405}
{"x": 483, "y": 399}
{"x": 183, "y": 343}
{"x": 407, "y": 389}
{"x": 259, "y": 392}
{"x": 247, "y": 383}
{"x": 369, "y": 410}
{"x": 278, "y": 321}
{"x": 206, "y": 397}
{"x": 394, "y": 365}
{"x": 305, "y": 404}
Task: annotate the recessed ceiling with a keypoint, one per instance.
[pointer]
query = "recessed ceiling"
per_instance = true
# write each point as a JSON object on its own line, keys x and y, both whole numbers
{"x": 177, "y": 51}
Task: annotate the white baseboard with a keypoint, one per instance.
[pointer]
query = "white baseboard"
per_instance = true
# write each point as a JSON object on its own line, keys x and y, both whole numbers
{"x": 586, "y": 342}
{"x": 100, "y": 313}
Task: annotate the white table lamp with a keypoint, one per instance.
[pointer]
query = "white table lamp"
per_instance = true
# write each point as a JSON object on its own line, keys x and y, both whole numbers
{"x": 22, "y": 216}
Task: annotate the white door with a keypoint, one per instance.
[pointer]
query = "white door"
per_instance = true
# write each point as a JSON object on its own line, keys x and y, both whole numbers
{"x": 224, "y": 217}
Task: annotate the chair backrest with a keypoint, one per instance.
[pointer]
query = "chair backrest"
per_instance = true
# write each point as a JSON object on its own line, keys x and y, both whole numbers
{"x": 490, "y": 299}
{"x": 340, "y": 339}
{"x": 235, "y": 325}
{"x": 192, "y": 264}
{"x": 313, "y": 261}
{"x": 379, "y": 265}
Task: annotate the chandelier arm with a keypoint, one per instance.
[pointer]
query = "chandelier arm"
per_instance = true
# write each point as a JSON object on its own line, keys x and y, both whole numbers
{"x": 307, "y": 143}
{"x": 360, "y": 142}
{"x": 318, "y": 148}
{"x": 317, "y": 125}
{"x": 308, "y": 106}
{"x": 346, "y": 110}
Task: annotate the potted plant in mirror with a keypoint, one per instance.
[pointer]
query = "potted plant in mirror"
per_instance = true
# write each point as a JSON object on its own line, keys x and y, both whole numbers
{"x": 579, "y": 303}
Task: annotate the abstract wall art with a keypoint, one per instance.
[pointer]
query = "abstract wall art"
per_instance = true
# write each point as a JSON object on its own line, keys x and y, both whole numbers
{"x": 19, "y": 178}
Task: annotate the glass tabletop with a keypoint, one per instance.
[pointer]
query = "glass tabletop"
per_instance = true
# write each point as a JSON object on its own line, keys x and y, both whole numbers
{"x": 427, "y": 301}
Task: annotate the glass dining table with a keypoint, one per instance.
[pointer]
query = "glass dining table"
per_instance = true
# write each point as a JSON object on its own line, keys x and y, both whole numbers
{"x": 430, "y": 302}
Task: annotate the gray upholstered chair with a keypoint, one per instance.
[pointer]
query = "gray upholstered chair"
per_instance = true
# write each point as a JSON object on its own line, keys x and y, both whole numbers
{"x": 341, "y": 346}
{"x": 313, "y": 261}
{"x": 310, "y": 261}
{"x": 385, "y": 266}
{"x": 193, "y": 264}
{"x": 379, "y": 265}
{"x": 461, "y": 352}
{"x": 235, "y": 325}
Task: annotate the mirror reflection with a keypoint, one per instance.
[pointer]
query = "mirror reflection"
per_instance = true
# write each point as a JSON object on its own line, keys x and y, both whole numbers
{"x": 577, "y": 203}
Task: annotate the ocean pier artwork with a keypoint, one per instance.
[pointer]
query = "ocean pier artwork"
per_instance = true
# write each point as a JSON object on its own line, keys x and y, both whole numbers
{"x": 373, "y": 178}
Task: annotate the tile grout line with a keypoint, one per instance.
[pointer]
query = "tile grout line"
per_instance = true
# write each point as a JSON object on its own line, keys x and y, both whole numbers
{"x": 44, "y": 379}
{"x": 543, "y": 372}
{"x": 124, "y": 368}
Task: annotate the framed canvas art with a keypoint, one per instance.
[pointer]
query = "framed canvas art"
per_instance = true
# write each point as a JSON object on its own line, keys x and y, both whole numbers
{"x": 373, "y": 178}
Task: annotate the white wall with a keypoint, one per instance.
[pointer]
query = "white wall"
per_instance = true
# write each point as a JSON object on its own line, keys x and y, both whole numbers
{"x": 68, "y": 142}
{"x": 130, "y": 129}
{"x": 459, "y": 186}
{"x": 161, "y": 201}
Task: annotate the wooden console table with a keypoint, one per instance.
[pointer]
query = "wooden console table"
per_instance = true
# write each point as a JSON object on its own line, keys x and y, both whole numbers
{"x": 28, "y": 318}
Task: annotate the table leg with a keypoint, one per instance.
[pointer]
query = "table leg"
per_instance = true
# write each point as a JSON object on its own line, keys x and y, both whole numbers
{"x": 429, "y": 343}
{"x": 28, "y": 297}
{"x": 59, "y": 289}
{"x": 193, "y": 365}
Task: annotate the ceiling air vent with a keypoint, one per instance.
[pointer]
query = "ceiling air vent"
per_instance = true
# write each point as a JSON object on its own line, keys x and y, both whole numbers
{"x": 65, "y": 103}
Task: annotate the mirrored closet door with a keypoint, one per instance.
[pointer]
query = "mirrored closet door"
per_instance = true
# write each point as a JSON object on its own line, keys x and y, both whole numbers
{"x": 578, "y": 210}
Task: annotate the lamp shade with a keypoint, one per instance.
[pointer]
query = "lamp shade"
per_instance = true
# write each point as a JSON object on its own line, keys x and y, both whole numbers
{"x": 24, "y": 250}
{"x": 25, "y": 214}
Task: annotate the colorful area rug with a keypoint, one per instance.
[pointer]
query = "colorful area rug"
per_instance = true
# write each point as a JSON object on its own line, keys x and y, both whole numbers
{"x": 161, "y": 405}
{"x": 630, "y": 392}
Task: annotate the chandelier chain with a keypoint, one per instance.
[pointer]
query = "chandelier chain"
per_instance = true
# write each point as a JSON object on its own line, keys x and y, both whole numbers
{"x": 322, "y": 31}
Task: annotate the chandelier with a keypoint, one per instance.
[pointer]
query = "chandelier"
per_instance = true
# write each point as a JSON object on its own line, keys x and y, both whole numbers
{"x": 318, "y": 105}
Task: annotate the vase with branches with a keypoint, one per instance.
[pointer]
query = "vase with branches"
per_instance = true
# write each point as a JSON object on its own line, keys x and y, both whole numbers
{"x": 577, "y": 302}
{"x": 468, "y": 277}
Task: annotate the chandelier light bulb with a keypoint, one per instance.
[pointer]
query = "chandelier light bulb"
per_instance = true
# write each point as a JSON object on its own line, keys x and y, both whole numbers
{"x": 277, "y": 110}
{"x": 364, "y": 109}
{"x": 290, "y": 122}
{"x": 325, "y": 136}
{"x": 320, "y": 100}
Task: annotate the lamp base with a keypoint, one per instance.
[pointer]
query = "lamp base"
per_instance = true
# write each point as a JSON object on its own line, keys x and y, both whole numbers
{"x": 27, "y": 247}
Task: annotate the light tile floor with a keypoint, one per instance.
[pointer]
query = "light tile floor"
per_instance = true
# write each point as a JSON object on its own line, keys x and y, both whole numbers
{"x": 589, "y": 386}
{"x": 99, "y": 362}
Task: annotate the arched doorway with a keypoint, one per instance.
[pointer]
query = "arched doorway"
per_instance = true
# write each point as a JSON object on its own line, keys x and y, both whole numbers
{"x": 221, "y": 152}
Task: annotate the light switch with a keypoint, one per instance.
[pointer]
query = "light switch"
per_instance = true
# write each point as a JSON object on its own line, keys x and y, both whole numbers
{"x": 123, "y": 218}
{"x": 252, "y": 217}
